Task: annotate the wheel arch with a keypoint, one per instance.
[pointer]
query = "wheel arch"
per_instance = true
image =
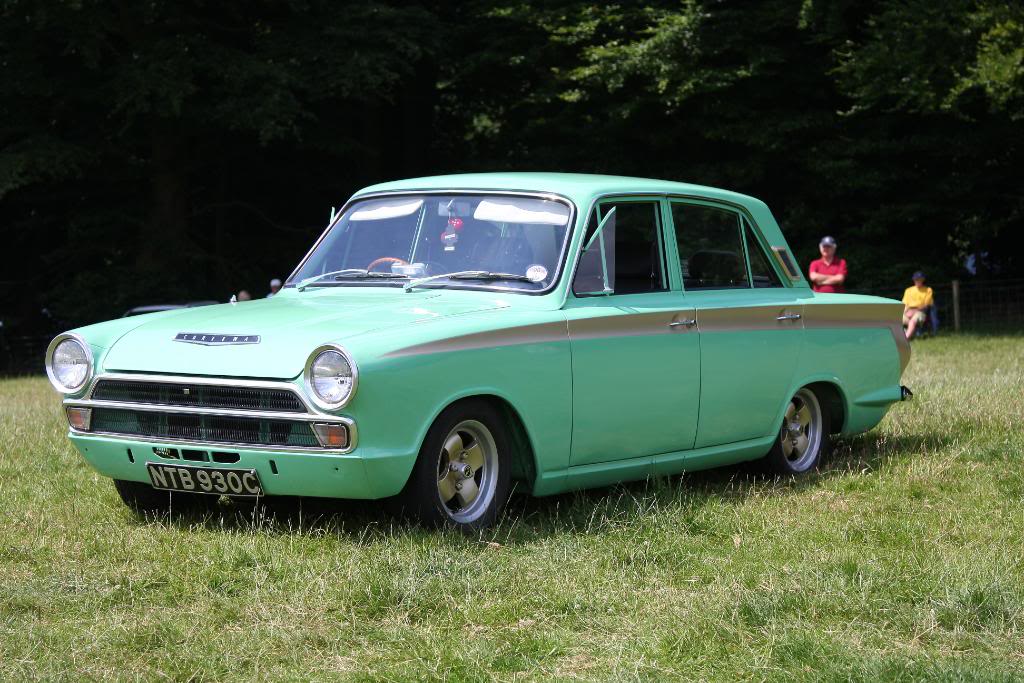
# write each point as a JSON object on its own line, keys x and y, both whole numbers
{"x": 524, "y": 457}
{"x": 831, "y": 398}
{"x": 831, "y": 394}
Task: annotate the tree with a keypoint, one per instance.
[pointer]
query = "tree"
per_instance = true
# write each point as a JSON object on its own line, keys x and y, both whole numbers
{"x": 160, "y": 151}
{"x": 139, "y": 126}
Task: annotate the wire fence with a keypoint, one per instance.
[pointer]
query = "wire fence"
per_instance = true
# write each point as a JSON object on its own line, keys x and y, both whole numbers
{"x": 22, "y": 353}
{"x": 976, "y": 306}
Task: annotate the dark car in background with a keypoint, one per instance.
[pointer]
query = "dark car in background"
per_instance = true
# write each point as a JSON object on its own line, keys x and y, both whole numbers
{"x": 157, "y": 308}
{"x": 23, "y": 339}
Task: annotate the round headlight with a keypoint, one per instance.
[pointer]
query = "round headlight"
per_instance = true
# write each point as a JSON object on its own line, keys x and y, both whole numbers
{"x": 68, "y": 363}
{"x": 331, "y": 377}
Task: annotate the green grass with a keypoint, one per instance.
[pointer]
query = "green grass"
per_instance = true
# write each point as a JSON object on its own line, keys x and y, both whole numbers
{"x": 900, "y": 560}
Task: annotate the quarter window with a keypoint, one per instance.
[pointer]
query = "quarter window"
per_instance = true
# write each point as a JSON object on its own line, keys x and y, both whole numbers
{"x": 710, "y": 242}
{"x": 627, "y": 256}
{"x": 761, "y": 272}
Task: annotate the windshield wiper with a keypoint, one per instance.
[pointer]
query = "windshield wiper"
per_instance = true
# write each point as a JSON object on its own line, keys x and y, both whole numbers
{"x": 363, "y": 276}
{"x": 349, "y": 274}
{"x": 310, "y": 280}
{"x": 487, "y": 275}
{"x": 467, "y": 275}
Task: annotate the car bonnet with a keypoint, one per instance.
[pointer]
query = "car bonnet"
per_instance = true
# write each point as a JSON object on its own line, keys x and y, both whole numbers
{"x": 272, "y": 338}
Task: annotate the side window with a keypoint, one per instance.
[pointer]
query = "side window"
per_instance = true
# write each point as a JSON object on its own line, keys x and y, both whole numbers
{"x": 788, "y": 265}
{"x": 710, "y": 242}
{"x": 761, "y": 272}
{"x": 627, "y": 257}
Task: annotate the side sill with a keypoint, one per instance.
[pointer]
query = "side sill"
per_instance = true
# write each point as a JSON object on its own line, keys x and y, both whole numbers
{"x": 712, "y": 456}
{"x": 634, "y": 469}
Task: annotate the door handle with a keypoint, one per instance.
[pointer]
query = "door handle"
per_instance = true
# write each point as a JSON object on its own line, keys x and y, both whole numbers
{"x": 789, "y": 316}
{"x": 685, "y": 322}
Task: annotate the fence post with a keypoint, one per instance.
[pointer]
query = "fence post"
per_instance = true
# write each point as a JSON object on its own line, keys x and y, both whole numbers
{"x": 956, "y": 305}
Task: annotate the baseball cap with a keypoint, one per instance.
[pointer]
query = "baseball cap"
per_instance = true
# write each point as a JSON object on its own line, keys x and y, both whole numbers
{"x": 919, "y": 275}
{"x": 828, "y": 241}
{"x": 275, "y": 282}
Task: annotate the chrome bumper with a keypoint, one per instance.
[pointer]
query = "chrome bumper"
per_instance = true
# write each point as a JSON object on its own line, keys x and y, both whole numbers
{"x": 198, "y": 414}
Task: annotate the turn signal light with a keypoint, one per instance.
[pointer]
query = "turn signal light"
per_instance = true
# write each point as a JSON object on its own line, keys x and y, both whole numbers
{"x": 79, "y": 418}
{"x": 331, "y": 435}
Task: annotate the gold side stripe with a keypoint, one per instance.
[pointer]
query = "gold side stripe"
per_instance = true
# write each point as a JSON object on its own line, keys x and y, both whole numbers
{"x": 748, "y": 318}
{"x": 736, "y": 319}
{"x": 833, "y": 315}
{"x": 627, "y": 324}
{"x": 540, "y": 333}
{"x": 902, "y": 345}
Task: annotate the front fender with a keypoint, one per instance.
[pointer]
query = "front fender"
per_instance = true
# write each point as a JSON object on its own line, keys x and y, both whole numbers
{"x": 400, "y": 396}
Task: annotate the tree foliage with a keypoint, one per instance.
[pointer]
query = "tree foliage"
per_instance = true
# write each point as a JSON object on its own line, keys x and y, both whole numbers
{"x": 159, "y": 151}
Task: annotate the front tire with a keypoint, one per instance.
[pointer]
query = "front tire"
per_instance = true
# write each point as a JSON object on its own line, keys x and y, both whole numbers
{"x": 803, "y": 438}
{"x": 463, "y": 472}
{"x": 143, "y": 499}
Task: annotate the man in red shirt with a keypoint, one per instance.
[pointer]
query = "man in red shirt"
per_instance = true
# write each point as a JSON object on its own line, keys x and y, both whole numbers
{"x": 828, "y": 273}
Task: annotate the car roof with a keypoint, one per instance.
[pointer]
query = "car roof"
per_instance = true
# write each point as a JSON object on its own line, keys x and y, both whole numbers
{"x": 573, "y": 185}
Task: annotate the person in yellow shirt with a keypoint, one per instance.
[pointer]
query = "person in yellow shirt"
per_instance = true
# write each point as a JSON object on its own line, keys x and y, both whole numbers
{"x": 916, "y": 302}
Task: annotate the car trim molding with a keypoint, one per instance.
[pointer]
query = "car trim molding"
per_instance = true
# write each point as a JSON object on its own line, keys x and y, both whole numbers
{"x": 212, "y": 339}
{"x": 711, "y": 319}
{"x": 197, "y": 410}
{"x": 750, "y": 318}
{"x": 223, "y": 445}
{"x": 831, "y": 316}
{"x": 310, "y": 416}
{"x": 902, "y": 345}
{"x": 541, "y": 333}
{"x": 851, "y": 315}
{"x": 202, "y": 379}
{"x": 632, "y": 324}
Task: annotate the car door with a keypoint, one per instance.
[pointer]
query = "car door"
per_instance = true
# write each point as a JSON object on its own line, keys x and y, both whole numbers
{"x": 751, "y": 330}
{"x": 635, "y": 350}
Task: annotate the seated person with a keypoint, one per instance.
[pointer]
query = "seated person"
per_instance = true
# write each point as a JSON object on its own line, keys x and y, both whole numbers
{"x": 916, "y": 301}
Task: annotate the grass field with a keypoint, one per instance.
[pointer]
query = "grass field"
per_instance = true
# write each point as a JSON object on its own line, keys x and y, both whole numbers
{"x": 900, "y": 560}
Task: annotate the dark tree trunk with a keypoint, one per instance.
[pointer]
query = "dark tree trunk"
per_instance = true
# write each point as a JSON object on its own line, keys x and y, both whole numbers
{"x": 220, "y": 244}
{"x": 418, "y": 101}
{"x": 164, "y": 236}
{"x": 370, "y": 149}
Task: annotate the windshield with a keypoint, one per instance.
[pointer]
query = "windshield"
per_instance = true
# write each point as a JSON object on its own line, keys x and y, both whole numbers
{"x": 480, "y": 240}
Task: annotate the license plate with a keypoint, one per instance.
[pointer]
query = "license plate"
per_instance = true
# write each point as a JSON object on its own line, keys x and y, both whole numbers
{"x": 213, "y": 480}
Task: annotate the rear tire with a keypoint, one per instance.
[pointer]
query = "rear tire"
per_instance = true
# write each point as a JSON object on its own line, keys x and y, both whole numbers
{"x": 144, "y": 499}
{"x": 462, "y": 475}
{"x": 803, "y": 438}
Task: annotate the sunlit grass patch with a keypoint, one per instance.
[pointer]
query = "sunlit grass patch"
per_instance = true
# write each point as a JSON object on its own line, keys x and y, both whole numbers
{"x": 899, "y": 559}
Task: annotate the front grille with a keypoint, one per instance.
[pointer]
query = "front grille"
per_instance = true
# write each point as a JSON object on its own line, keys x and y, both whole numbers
{"x": 198, "y": 395}
{"x": 253, "y": 431}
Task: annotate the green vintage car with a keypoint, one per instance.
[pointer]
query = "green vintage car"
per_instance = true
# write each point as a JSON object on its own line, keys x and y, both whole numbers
{"x": 448, "y": 337}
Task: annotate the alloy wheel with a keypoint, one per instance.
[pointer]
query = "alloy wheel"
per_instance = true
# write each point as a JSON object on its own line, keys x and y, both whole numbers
{"x": 801, "y": 432}
{"x": 467, "y": 469}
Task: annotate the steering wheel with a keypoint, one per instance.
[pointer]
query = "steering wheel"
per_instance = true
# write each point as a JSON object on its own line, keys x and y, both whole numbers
{"x": 386, "y": 259}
